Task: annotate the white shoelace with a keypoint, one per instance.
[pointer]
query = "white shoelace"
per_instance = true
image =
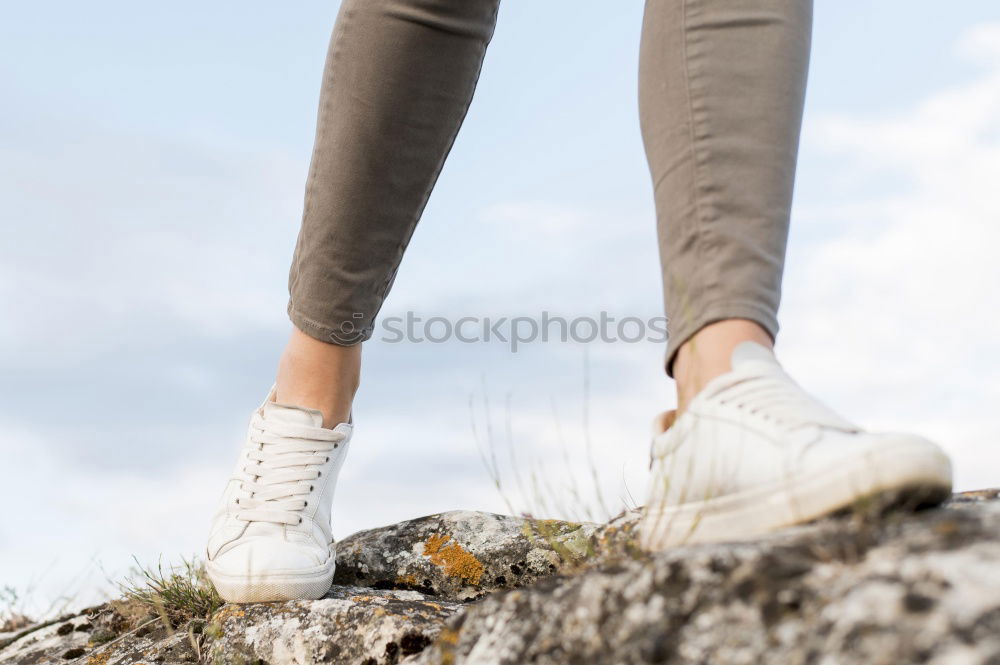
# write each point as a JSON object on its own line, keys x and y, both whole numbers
{"x": 777, "y": 399}
{"x": 286, "y": 459}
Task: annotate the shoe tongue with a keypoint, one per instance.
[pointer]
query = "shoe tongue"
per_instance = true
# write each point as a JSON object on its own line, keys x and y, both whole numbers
{"x": 295, "y": 415}
{"x": 751, "y": 352}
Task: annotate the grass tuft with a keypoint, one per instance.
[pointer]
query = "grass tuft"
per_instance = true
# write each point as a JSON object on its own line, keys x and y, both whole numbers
{"x": 177, "y": 594}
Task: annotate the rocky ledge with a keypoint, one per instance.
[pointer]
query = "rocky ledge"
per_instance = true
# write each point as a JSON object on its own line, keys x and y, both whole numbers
{"x": 478, "y": 588}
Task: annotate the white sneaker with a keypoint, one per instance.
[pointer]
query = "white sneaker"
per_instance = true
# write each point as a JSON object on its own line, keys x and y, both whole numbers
{"x": 754, "y": 453}
{"x": 271, "y": 536}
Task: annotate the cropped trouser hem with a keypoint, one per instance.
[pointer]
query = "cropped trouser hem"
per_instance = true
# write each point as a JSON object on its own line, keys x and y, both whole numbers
{"x": 713, "y": 312}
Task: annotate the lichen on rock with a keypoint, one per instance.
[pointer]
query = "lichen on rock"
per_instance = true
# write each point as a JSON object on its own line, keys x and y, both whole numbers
{"x": 453, "y": 559}
{"x": 461, "y": 555}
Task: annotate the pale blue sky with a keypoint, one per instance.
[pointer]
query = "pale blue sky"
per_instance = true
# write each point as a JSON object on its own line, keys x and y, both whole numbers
{"x": 151, "y": 167}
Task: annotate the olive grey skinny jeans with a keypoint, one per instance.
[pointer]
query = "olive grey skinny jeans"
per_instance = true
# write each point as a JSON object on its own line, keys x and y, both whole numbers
{"x": 721, "y": 90}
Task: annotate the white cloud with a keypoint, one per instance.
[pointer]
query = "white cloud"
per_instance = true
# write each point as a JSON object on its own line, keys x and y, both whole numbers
{"x": 898, "y": 315}
{"x": 981, "y": 43}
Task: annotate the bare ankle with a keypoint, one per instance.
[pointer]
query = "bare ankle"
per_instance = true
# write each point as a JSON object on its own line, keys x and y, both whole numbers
{"x": 707, "y": 354}
{"x": 318, "y": 375}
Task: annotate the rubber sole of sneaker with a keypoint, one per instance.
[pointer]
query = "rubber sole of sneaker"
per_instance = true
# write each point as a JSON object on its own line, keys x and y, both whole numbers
{"x": 912, "y": 474}
{"x": 265, "y": 588}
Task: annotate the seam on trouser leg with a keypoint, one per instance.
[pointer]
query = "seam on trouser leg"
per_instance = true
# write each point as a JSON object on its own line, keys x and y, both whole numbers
{"x": 699, "y": 174}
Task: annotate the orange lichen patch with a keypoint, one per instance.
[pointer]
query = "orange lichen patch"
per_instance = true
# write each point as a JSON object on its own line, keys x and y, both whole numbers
{"x": 408, "y": 580}
{"x": 428, "y": 603}
{"x": 228, "y": 611}
{"x": 377, "y": 610}
{"x": 99, "y": 658}
{"x": 454, "y": 559}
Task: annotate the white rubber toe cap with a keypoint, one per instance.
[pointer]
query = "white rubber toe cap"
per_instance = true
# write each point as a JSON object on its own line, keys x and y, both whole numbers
{"x": 265, "y": 570}
{"x": 260, "y": 556}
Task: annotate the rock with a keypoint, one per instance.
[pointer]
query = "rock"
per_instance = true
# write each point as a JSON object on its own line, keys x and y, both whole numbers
{"x": 38, "y": 644}
{"x": 102, "y": 635}
{"x": 170, "y": 647}
{"x": 481, "y": 589}
{"x": 462, "y": 555}
{"x": 350, "y": 625}
{"x": 921, "y": 588}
